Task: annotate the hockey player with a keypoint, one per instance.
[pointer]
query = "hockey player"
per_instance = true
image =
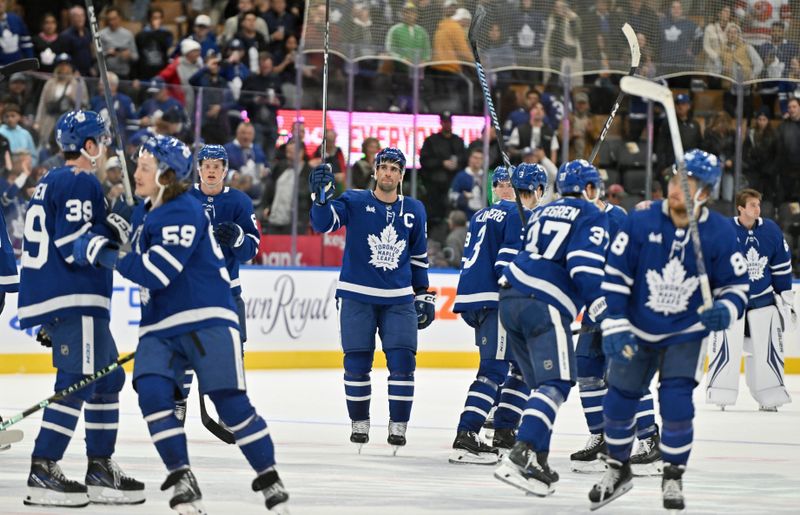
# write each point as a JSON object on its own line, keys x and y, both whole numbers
{"x": 655, "y": 323}
{"x": 770, "y": 306}
{"x": 383, "y": 286}
{"x": 591, "y": 366}
{"x": 493, "y": 240}
{"x": 71, "y": 302}
{"x": 551, "y": 279}
{"x": 189, "y": 320}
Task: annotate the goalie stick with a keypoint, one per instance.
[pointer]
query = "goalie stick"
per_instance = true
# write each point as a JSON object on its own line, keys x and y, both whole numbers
{"x": 23, "y": 65}
{"x": 633, "y": 44}
{"x": 650, "y": 90}
{"x": 477, "y": 21}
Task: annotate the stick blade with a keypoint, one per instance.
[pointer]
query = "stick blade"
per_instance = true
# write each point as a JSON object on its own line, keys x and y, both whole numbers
{"x": 476, "y": 24}
{"x": 10, "y": 436}
{"x": 633, "y": 44}
{"x": 23, "y": 65}
{"x": 647, "y": 89}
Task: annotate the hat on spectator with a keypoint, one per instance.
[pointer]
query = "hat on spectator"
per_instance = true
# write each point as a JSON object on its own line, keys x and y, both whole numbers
{"x": 409, "y": 5}
{"x": 155, "y": 85}
{"x": 581, "y": 97}
{"x": 18, "y": 77}
{"x": 683, "y": 98}
{"x": 63, "y": 57}
{"x": 236, "y": 44}
{"x": 528, "y": 151}
{"x": 113, "y": 162}
{"x": 203, "y": 20}
{"x": 189, "y": 45}
{"x": 173, "y": 115}
{"x": 762, "y": 110}
{"x": 617, "y": 190}
{"x": 446, "y": 116}
{"x": 462, "y": 14}
{"x": 448, "y": 3}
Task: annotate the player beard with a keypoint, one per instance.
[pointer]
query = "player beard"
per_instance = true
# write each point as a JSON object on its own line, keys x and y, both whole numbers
{"x": 387, "y": 187}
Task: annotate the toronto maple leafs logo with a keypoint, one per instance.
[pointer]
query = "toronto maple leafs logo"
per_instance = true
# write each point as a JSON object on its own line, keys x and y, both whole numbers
{"x": 144, "y": 295}
{"x": 755, "y": 264}
{"x": 385, "y": 249}
{"x": 670, "y": 290}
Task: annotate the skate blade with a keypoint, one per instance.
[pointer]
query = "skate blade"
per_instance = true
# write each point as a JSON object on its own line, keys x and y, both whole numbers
{"x": 619, "y": 493}
{"x": 396, "y": 448}
{"x": 359, "y": 446}
{"x": 45, "y": 497}
{"x": 587, "y": 467}
{"x": 510, "y": 475}
{"x": 193, "y": 508}
{"x": 655, "y": 468}
{"x": 280, "y": 509}
{"x": 105, "y": 495}
{"x": 464, "y": 457}
{"x": 502, "y": 452}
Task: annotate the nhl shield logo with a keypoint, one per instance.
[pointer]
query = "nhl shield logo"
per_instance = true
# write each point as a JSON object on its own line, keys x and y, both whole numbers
{"x": 65, "y": 350}
{"x": 548, "y": 364}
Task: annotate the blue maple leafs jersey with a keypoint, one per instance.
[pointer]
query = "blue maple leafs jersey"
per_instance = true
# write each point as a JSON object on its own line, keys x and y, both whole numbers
{"x": 562, "y": 260}
{"x": 651, "y": 274}
{"x": 616, "y": 215}
{"x": 493, "y": 240}
{"x": 769, "y": 262}
{"x": 9, "y": 278}
{"x": 65, "y": 205}
{"x": 232, "y": 205}
{"x": 180, "y": 268}
{"x": 386, "y": 249}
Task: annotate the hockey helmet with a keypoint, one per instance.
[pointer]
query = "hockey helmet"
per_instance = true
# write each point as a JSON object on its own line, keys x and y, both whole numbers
{"x": 170, "y": 153}
{"x": 703, "y": 166}
{"x": 528, "y": 177}
{"x": 392, "y": 155}
{"x": 75, "y": 127}
{"x": 573, "y": 176}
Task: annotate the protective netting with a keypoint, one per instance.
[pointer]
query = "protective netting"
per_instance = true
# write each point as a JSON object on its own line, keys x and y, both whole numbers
{"x": 742, "y": 40}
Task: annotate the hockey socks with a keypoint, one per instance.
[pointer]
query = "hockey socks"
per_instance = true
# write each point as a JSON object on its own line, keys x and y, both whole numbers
{"x": 158, "y": 408}
{"x": 58, "y": 426}
{"x": 619, "y": 411}
{"x": 513, "y": 397}
{"x": 540, "y": 414}
{"x": 249, "y": 429}
{"x": 592, "y": 392}
{"x": 480, "y": 399}
{"x": 101, "y": 416}
{"x": 646, "y": 417}
{"x": 401, "y": 364}
{"x": 357, "y": 393}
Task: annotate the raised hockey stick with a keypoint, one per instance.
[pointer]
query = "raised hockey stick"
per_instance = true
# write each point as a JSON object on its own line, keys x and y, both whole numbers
{"x": 475, "y": 24}
{"x": 23, "y": 65}
{"x": 112, "y": 113}
{"x": 67, "y": 391}
{"x": 324, "y": 147}
{"x": 650, "y": 90}
{"x": 636, "y": 55}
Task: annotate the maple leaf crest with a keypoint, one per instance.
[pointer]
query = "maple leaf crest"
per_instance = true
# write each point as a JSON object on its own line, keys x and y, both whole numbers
{"x": 755, "y": 264}
{"x": 385, "y": 250}
{"x": 670, "y": 290}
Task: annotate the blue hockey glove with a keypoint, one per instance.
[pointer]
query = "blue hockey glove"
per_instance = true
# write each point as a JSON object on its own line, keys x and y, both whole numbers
{"x": 229, "y": 234}
{"x": 717, "y": 317}
{"x": 425, "y": 304}
{"x": 96, "y": 250}
{"x": 597, "y": 310}
{"x": 619, "y": 343}
{"x": 320, "y": 182}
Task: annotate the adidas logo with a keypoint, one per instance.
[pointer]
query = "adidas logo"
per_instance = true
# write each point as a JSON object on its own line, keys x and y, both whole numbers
{"x": 370, "y": 209}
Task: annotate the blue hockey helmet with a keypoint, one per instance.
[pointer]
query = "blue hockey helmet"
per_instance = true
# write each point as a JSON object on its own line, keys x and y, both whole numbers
{"x": 392, "y": 155}
{"x": 213, "y": 152}
{"x": 528, "y": 177}
{"x": 573, "y": 176}
{"x": 75, "y": 127}
{"x": 703, "y": 166}
{"x": 170, "y": 153}
{"x": 501, "y": 174}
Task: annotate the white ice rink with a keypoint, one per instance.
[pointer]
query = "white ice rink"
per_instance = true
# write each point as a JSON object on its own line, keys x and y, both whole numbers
{"x": 743, "y": 461}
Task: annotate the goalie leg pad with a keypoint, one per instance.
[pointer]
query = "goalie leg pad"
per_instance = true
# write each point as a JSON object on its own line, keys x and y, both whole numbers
{"x": 724, "y": 362}
{"x": 401, "y": 364}
{"x": 158, "y": 407}
{"x": 764, "y": 365}
{"x": 357, "y": 383}
{"x": 251, "y": 431}
{"x": 540, "y": 414}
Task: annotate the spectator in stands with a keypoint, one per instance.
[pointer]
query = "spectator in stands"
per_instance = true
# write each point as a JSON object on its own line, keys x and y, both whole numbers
{"x": 562, "y": 47}
{"x": 442, "y": 155}
{"x": 15, "y": 40}
{"x": 159, "y": 102}
{"x": 123, "y": 106}
{"x": 153, "y": 44}
{"x": 247, "y": 157}
{"x": 715, "y": 39}
{"x": 449, "y": 46}
{"x": 528, "y": 30}
{"x": 232, "y": 24}
{"x": 583, "y": 130}
{"x": 777, "y": 55}
{"x": 334, "y": 157}
{"x": 112, "y": 183}
{"x": 77, "y": 42}
{"x": 534, "y": 134}
{"x": 361, "y": 172}
{"x": 202, "y": 34}
{"x": 641, "y": 17}
{"x": 260, "y": 97}
{"x": 680, "y": 38}
{"x": 180, "y": 70}
{"x": 61, "y": 93}
{"x": 495, "y": 158}
{"x": 217, "y": 100}
{"x": 119, "y": 46}
{"x": 46, "y": 44}
{"x": 20, "y": 141}
{"x": 251, "y": 39}
{"x": 5, "y": 158}
{"x": 758, "y": 16}
{"x": 759, "y": 155}
{"x": 599, "y": 36}
{"x": 284, "y": 66}
{"x": 454, "y": 244}
{"x": 276, "y": 204}
{"x": 741, "y": 62}
{"x": 720, "y": 139}
{"x": 789, "y": 88}
{"x": 691, "y": 137}
{"x": 498, "y": 53}
{"x": 280, "y": 23}
{"x": 20, "y": 93}
{"x": 407, "y": 40}
{"x": 614, "y": 194}
{"x": 789, "y": 152}
{"x": 467, "y": 188}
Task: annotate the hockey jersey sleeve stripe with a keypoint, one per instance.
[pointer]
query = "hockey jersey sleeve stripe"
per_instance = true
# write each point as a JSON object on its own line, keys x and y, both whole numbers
{"x": 153, "y": 269}
{"x": 740, "y": 290}
{"x": 8, "y": 279}
{"x": 697, "y": 327}
{"x": 769, "y": 289}
{"x": 585, "y": 254}
{"x": 69, "y": 238}
{"x": 488, "y": 296}
{"x": 585, "y": 269}
{"x": 190, "y": 315}
{"x": 169, "y": 258}
{"x": 255, "y": 239}
{"x": 236, "y": 282}
{"x": 502, "y": 263}
{"x": 785, "y": 264}
{"x": 783, "y": 272}
{"x": 375, "y": 292}
{"x": 544, "y": 286}
{"x": 335, "y": 223}
{"x": 420, "y": 264}
{"x": 75, "y": 300}
{"x": 616, "y": 288}
{"x": 420, "y": 256}
{"x": 614, "y": 271}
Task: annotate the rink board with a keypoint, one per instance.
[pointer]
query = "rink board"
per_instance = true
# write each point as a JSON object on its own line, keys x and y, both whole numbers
{"x": 291, "y": 323}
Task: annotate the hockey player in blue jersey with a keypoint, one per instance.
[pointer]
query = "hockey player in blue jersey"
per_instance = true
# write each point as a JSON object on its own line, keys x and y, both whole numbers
{"x": 558, "y": 271}
{"x": 189, "y": 320}
{"x": 770, "y": 309}
{"x": 493, "y": 240}
{"x": 383, "y": 286}
{"x": 592, "y": 365}
{"x": 655, "y": 324}
{"x": 71, "y": 303}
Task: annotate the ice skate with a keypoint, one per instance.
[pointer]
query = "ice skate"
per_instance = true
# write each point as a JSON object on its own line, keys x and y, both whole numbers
{"x": 521, "y": 469}
{"x": 488, "y": 426}
{"x": 276, "y": 497}
{"x": 504, "y": 440}
{"x": 588, "y": 458}
{"x": 397, "y": 435}
{"x": 359, "y": 434}
{"x": 469, "y": 448}
{"x": 107, "y": 484}
{"x": 180, "y": 411}
{"x": 647, "y": 459}
{"x": 186, "y": 498}
{"x": 616, "y": 481}
{"x": 768, "y": 409}
{"x": 47, "y": 486}
{"x": 672, "y": 487}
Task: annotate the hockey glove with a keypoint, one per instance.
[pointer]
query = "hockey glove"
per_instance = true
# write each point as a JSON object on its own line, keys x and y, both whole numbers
{"x": 229, "y": 234}
{"x": 717, "y": 317}
{"x": 119, "y": 221}
{"x": 619, "y": 343}
{"x": 786, "y": 308}
{"x": 425, "y": 304}
{"x": 597, "y": 310}
{"x": 43, "y": 338}
{"x": 320, "y": 182}
{"x": 96, "y": 250}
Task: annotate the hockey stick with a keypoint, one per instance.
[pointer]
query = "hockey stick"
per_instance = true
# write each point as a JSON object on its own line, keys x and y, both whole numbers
{"x": 23, "y": 65}
{"x": 477, "y": 20}
{"x": 326, "y": 51}
{"x": 636, "y": 55}
{"x": 213, "y": 427}
{"x": 112, "y": 113}
{"x": 10, "y": 436}
{"x": 652, "y": 91}
{"x": 67, "y": 391}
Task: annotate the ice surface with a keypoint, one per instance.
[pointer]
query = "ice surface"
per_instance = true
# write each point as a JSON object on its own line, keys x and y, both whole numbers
{"x": 743, "y": 461}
